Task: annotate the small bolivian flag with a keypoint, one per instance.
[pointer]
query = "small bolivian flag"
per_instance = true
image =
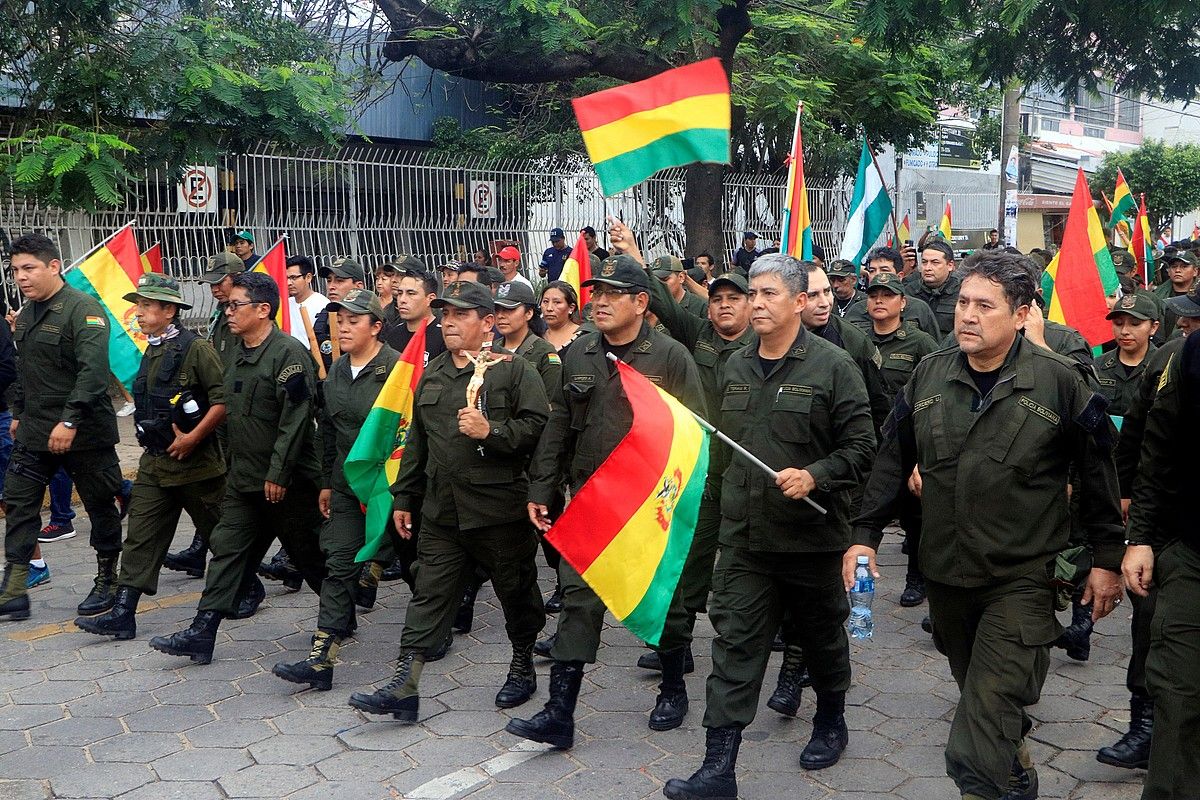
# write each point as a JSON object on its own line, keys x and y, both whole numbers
{"x": 678, "y": 117}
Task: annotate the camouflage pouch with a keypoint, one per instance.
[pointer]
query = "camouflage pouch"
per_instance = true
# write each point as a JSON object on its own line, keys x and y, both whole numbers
{"x": 1071, "y": 568}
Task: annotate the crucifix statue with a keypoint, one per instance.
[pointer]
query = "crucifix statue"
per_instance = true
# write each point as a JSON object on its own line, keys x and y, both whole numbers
{"x": 483, "y": 361}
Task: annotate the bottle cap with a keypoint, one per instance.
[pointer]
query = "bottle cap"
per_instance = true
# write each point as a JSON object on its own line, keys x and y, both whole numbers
{"x": 864, "y": 560}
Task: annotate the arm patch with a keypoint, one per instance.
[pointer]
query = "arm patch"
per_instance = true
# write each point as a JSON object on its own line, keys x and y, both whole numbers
{"x": 295, "y": 386}
{"x": 1094, "y": 419}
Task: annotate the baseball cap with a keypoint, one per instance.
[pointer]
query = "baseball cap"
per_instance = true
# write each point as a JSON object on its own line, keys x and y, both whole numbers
{"x": 466, "y": 294}
{"x": 841, "y": 268}
{"x": 1185, "y": 305}
{"x": 247, "y": 235}
{"x": 1135, "y": 304}
{"x": 888, "y": 282}
{"x": 749, "y": 234}
{"x": 511, "y": 294}
{"x": 733, "y": 279}
{"x": 557, "y": 233}
{"x": 405, "y": 265}
{"x": 664, "y": 265}
{"x": 1186, "y": 256}
{"x": 588, "y": 229}
{"x": 511, "y": 253}
{"x": 454, "y": 265}
{"x": 621, "y": 272}
{"x": 344, "y": 267}
{"x": 163, "y": 288}
{"x": 220, "y": 265}
{"x": 359, "y": 301}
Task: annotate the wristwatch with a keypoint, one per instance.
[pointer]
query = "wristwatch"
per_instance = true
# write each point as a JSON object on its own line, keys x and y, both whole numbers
{"x": 68, "y": 425}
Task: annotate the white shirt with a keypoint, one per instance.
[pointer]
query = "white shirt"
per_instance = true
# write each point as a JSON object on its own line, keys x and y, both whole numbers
{"x": 519, "y": 278}
{"x": 315, "y": 304}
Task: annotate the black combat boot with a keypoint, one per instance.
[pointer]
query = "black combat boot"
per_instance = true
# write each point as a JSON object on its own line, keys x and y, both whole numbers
{"x": 522, "y": 680}
{"x": 104, "y": 587}
{"x": 786, "y": 698}
{"x": 650, "y": 660}
{"x": 555, "y": 724}
{"x": 196, "y": 642}
{"x": 672, "y": 704}
{"x": 1132, "y": 751}
{"x": 543, "y": 646}
{"x": 119, "y": 622}
{"x": 1022, "y": 779}
{"x": 555, "y": 603}
{"x": 192, "y": 559}
{"x": 14, "y": 596}
{"x": 914, "y": 590}
{"x": 464, "y": 620}
{"x": 317, "y": 669}
{"x": 252, "y": 597}
{"x": 1077, "y": 639}
{"x": 400, "y": 697}
{"x": 829, "y": 734}
{"x": 280, "y": 568}
{"x": 715, "y": 780}
{"x": 439, "y": 652}
{"x": 367, "y": 588}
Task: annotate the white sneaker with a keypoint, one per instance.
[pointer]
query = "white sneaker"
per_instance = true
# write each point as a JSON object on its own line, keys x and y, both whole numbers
{"x": 125, "y": 410}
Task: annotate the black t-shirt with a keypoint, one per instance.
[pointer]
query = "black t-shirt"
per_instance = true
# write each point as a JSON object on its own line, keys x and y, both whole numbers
{"x": 984, "y": 381}
{"x": 618, "y": 350}
{"x": 398, "y": 337}
{"x": 767, "y": 364}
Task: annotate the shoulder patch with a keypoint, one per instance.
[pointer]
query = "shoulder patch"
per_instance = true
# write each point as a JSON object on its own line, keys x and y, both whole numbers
{"x": 95, "y": 321}
{"x": 553, "y": 358}
{"x": 1162, "y": 379}
{"x": 1040, "y": 410}
{"x": 644, "y": 347}
{"x": 925, "y": 403}
{"x": 289, "y": 371}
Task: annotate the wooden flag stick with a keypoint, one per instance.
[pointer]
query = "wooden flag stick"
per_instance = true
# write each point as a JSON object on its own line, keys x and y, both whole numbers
{"x": 333, "y": 337}
{"x": 314, "y": 347}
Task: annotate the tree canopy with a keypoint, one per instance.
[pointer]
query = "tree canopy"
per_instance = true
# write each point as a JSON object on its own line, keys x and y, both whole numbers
{"x": 1169, "y": 176}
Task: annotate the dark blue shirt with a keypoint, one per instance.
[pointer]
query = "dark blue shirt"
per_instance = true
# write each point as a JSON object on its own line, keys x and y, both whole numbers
{"x": 553, "y": 260}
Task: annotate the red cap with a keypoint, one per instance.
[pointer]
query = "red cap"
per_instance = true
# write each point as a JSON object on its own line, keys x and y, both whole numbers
{"x": 510, "y": 253}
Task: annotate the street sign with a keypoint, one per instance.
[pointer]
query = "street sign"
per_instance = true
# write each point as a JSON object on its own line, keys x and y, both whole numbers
{"x": 482, "y": 199}
{"x": 196, "y": 191}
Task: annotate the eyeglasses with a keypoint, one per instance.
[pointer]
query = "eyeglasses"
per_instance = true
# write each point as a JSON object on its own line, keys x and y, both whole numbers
{"x": 295, "y": 277}
{"x": 606, "y": 291}
{"x": 233, "y": 305}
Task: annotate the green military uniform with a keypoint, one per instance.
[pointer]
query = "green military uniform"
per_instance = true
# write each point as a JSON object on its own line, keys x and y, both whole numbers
{"x": 901, "y": 351}
{"x": 710, "y": 351}
{"x": 694, "y": 304}
{"x": 994, "y": 517}
{"x": 1166, "y": 291}
{"x": 811, "y": 411}
{"x": 941, "y": 300}
{"x": 1119, "y": 382}
{"x": 1161, "y": 516}
{"x": 916, "y": 313}
{"x": 846, "y": 336}
{"x": 269, "y": 399}
{"x": 62, "y": 376}
{"x": 545, "y": 359}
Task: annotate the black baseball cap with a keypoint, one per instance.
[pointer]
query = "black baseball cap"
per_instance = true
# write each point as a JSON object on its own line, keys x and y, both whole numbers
{"x": 1136, "y": 305}
{"x": 344, "y": 267}
{"x": 621, "y": 272}
{"x": 466, "y": 294}
{"x": 514, "y": 293}
{"x": 734, "y": 279}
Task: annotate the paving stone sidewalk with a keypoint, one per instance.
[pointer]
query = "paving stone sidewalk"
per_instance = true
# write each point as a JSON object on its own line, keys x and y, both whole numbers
{"x": 85, "y": 717}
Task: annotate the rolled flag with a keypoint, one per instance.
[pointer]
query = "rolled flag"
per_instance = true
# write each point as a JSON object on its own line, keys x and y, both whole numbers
{"x": 870, "y": 209}
{"x": 274, "y": 263}
{"x": 946, "y": 227}
{"x": 797, "y": 226}
{"x": 577, "y": 270}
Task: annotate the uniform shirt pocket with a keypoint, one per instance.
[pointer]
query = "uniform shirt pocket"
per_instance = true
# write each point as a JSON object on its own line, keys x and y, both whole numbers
{"x": 791, "y": 417}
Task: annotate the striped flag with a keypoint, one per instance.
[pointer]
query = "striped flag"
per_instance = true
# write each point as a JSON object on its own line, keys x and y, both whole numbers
{"x": 1143, "y": 244}
{"x": 797, "y": 226}
{"x": 870, "y": 209}
{"x": 629, "y": 528}
{"x": 946, "y": 226}
{"x": 108, "y": 273}
{"x": 578, "y": 268}
{"x": 152, "y": 259}
{"x": 905, "y": 233}
{"x": 374, "y": 460}
{"x": 274, "y": 264}
{"x": 1124, "y": 210}
{"x": 1082, "y": 275}
{"x": 675, "y": 118}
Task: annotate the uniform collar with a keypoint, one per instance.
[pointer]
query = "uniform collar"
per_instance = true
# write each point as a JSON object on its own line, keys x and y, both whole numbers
{"x": 380, "y": 359}
{"x": 643, "y": 343}
{"x": 1017, "y": 369}
{"x": 252, "y": 355}
{"x": 798, "y": 350}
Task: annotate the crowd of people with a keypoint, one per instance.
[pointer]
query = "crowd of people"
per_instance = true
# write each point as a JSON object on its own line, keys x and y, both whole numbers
{"x": 1026, "y": 474}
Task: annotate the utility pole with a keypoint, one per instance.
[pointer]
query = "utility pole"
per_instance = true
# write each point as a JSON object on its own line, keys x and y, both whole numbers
{"x": 1010, "y": 136}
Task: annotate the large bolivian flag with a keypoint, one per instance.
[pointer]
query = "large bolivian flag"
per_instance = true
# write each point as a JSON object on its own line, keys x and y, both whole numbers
{"x": 629, "y": 528}
{"x": 374, "y": 459}
{"x": 109, "y": 273}
{"x": 675, "y": 118}
{"x": 1082, "y": 274}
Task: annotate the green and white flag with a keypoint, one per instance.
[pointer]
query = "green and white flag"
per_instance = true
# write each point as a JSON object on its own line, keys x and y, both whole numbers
{"x": 870, "y": 209}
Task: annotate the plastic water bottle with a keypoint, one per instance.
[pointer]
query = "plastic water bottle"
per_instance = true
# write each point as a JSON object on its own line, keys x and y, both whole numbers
{"x": 862, "y": 624}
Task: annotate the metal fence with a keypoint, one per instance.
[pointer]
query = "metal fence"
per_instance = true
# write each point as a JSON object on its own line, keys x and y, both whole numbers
{"x": 372, "y": 203}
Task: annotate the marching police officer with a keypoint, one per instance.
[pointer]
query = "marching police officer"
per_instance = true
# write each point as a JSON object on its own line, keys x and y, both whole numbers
{"x": 900, "y": 347}
{"x": 465, "y": 459}
{"x": 936, "y": 283}
{"x": 348, "y": 394}
{"x": 793, "y": 399}
{"x": 579, "y": 437}
{"x": 271, "y": 489}
{"x": 62, "y": 417}
{"x": 179, "y": 397}
{"x": 995, "y": 424}
{"x": 669, "y": 270}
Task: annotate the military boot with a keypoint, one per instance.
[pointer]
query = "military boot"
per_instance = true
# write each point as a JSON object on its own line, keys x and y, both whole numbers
{"x": 192, "y": 559}
{"x": 914, "y": 590}
{"x": 14, "y": 597}
{"x": 715, "y": 780}
{"x": 1132, "y": 751}
{"x": 829, "y": 733}
{"x": 104, "y": 588}
{"x": 464, "y": 620}
{"x": 543, "y": 646}
{"x": 196, "y": 642}
{"x": 1077, "y": 639}
{"x": 522, "y": 680}
{"x": 555, "y": 724}
{"x": 786, "y": 698}
{"x": 400, "y": 697}
{"x": 1023, "y": 778}
{"x": 367, "y": 588}
{"x": 317, "y": 669}
{"x": 555, "y": 603}
{"x": 672, "y": 704}
{"x": 650, "y": 660}
{"x": 251, "y": 598}
{"x": 120, "y": 621}
{"x": 280, "y": 568}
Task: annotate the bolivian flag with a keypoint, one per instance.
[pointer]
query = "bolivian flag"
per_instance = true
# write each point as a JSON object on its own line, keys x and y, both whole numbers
{"x": 629, "y": 528}
{"x": 675, "y": 118}
{"x": 374, "y": 459}
{"x": 946, "y": 226}
{"x": 1124, "y": 210}
{"x": 1082, "y": 273}
{"x": 577, "y": 269}
{"x": 1143, "y": 244}
{"x": 274, "y": 264}
{"x": 108, "y": 273}
{"x": 797, "y": 226}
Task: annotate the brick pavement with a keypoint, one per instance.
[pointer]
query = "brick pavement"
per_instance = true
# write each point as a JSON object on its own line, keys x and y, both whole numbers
{"x": 85, "y": 717}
